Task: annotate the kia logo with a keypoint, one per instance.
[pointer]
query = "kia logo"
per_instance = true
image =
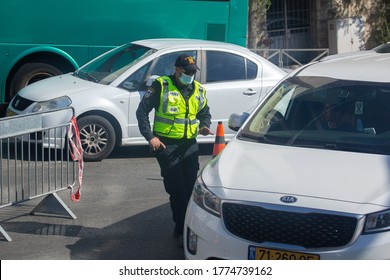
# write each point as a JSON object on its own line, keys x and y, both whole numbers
{"x": 288, "y": 199}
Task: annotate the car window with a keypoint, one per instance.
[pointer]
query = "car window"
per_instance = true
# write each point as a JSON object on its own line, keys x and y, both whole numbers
{"x": 161, "y": 66}
{"x": 165, "y": 64}
{"x": 384, "y": 48}
{"x": 324, "y": 113}
{"x": 135, "y": 80}
{"x": 223, "y": 67}
{"x": 251, "y": 70}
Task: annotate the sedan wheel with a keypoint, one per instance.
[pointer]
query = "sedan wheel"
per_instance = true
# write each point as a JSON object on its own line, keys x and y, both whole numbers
{"x": 97, "y": 137}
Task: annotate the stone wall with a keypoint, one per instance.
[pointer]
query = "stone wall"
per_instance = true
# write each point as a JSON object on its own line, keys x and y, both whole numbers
{"x": 325, "y": 10}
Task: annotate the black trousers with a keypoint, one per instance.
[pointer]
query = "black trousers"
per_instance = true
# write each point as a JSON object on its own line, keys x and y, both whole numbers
{"x": 179, "y": 164}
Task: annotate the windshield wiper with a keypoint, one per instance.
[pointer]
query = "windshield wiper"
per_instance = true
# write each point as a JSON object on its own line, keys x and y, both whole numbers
{"x": 87, "y": 76}
{"x": 351, "y": 147}
{"x": 331, "y": 146}
{"x": 259, "y": 138}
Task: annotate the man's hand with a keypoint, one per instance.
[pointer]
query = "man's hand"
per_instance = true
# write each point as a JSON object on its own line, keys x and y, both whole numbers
{"x": 205, "y": 131}
{"x": 156, "y": 145}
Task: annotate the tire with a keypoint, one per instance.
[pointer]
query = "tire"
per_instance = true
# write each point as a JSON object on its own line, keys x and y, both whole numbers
{"x": 97, "y": 137}
{"x": 30, "y": 73}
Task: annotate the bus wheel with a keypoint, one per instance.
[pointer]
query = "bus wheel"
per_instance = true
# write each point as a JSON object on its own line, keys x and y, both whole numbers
{"x": 97, "y": 137}
{"x": 30, "y": 73}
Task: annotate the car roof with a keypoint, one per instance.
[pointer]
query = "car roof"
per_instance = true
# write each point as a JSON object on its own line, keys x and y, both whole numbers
{"x": 364, "y": 66}
{"x": 166, "y": 43}
{"x": 178, "y": 43}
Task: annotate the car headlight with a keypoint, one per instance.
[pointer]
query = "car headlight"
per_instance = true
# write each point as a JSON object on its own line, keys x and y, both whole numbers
{"x": 57, "y": 103}
{"x": 205, "y": 199}
{"x": 377, "y": 222}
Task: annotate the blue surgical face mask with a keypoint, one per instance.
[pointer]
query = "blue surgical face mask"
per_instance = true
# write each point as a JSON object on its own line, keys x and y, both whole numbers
{"x": 186, "y": 79}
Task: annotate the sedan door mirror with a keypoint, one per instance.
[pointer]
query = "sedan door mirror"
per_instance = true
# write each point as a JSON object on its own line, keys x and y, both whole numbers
{"x": 237, "y": 120}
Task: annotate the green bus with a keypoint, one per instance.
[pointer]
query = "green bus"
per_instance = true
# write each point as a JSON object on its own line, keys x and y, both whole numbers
{"x": 42, "y": 38}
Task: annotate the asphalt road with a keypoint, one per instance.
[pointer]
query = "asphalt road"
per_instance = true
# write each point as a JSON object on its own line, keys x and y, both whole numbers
{"x": 123, "y": 213}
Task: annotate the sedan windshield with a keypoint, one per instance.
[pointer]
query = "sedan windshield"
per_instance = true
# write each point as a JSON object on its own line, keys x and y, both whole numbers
{"x": 106, "y": 68}
{"x": 324, "y": 113}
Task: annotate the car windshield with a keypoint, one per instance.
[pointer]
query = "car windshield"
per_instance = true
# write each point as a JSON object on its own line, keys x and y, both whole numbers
{"x": 106, "y": 68}
{"x": 324, "y": 113}
{"x": 384, "y": 48}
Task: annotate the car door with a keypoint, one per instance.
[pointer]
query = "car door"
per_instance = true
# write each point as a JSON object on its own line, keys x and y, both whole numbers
{"x": 233, "y": 84}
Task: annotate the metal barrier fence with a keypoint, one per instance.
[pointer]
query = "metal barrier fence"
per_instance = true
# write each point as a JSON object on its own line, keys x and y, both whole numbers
{"x": 291, "y": 57}
{"x": 35, "y": 161}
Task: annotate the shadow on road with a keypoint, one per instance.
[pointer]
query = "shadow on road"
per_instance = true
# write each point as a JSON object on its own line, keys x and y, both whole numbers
{"x": 144, "y": 236}
{"x": 124, "y": 214}
{"x": 143, "y": 151}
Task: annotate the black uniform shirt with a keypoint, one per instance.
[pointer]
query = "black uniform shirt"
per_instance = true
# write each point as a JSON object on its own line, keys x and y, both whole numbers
{"x": 151, "y": 101}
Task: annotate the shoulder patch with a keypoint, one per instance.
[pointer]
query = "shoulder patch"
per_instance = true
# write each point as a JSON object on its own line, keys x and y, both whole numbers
{"x": 149, "y": 92}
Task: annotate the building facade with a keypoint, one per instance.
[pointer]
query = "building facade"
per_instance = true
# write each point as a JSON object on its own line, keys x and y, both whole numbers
{"x": 338, "y": 25}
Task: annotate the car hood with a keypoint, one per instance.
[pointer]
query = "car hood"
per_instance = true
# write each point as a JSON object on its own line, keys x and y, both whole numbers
{"x": 57, "y": 86}
{"x": 325, "y": 179}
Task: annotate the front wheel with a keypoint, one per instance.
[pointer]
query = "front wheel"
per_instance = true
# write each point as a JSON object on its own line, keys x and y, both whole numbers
{"x": 97, "y": 137}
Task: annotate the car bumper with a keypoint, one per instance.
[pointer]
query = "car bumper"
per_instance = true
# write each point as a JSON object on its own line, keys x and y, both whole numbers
{"x": 214, "y": 242}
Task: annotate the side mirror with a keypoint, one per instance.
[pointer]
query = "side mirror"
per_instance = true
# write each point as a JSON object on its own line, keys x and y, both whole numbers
{"x": 130, "y": 85}
{"x": 237, "y": 120}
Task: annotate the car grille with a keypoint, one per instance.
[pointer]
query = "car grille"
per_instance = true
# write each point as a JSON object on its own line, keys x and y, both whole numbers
{"x": 309, "y": 230}
{"x": 19, "y": 103}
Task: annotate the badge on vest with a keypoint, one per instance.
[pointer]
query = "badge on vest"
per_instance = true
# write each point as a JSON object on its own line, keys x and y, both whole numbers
{"x": 149, "y": 93}
{"x": 173, "y": 110}
{"x": 173, "y": 93}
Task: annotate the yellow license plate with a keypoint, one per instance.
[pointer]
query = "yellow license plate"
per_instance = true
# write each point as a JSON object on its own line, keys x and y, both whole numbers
{"x": 9, "y": 113}
{"x": 258, "y": 253}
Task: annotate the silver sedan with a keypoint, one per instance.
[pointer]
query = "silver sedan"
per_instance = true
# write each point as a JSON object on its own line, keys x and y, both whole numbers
{"x": 105, "y": 92}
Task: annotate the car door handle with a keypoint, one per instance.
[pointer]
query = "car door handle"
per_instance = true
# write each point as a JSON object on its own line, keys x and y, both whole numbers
{"x": 250, "y": 92}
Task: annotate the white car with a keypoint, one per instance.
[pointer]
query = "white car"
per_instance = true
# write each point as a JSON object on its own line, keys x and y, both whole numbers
{"x": 105, "y": 93}
{"x": 307, "y": 175}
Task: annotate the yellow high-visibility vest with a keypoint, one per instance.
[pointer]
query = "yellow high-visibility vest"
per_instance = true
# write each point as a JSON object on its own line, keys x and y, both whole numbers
{"x": 176, "y": 116}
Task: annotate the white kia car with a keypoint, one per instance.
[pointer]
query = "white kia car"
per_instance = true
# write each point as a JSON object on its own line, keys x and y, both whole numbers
{"x": 307, "y": 175}
{"x": 105, "y": 93}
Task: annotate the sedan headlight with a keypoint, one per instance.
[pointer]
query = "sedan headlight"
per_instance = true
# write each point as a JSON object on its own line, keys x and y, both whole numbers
{"x": 377, "y": 222}
{"x": 57, "y": 103}
{"x": 205, "y": 199}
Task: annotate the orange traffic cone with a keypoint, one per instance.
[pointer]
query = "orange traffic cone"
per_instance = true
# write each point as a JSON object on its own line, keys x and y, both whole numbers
{"x": 219, "y": 140}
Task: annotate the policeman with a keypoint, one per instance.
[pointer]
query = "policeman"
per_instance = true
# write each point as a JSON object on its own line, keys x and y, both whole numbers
{"x": 180, "y": 103}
